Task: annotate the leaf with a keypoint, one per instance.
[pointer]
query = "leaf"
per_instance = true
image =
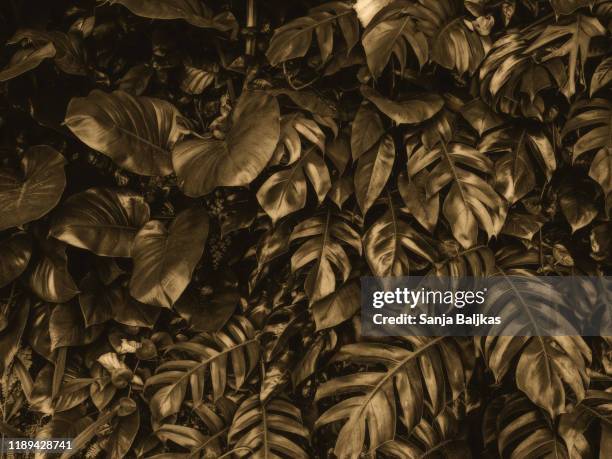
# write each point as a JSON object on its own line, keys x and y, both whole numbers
{"x": 196, "y": 78}
{"x": 189, "y": 438}
{"x": 164, "y": 259}
{"x": 578, "y": 209}
{"x": 293, "y": 39}
{"x": 136, "y": 132}
{"x": 404, "y": 379}
{"x": 49, "y": 278}
{"x": 10, "y": 339}
{"x": 285, "y": 191}
{"x": 203, "y": 164}
{"x": 601, "y": 172}
{"x": 101, "y": 220}
{"x": 576, "y": 47}
{"x": 414, "y": 109}
{"x": 32, "y": 193}
{"x": 367, "y": 9}
{"x": 66, "y": 327}
{"x": 389, "y": 32}
{"x": 136, "y": 79}
{"x": 425, "y": 209}
{"x": 388, "y": 240}
{"x": 480, "y": 116}
{"x": 470, "y": 202}
{"x": 191, "y": 11}
{"x": 25, "y": 60}
{"x": 323, "y": 248}
{"x": 564, "y": 7}
{"x": 123, "y": 435}
{"x": 268, "y": 430}
{"x": 16, "y": 252}
{"x": 207, "y": 314}
{"x": 523, "y": 226}
{"x": 366, "y": 130}
{"x": 601, "y": 76}
{"x": 334, "y": 309}
{"x": 373, "y": 171}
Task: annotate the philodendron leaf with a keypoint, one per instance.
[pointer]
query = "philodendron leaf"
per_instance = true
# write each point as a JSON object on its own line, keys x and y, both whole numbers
{"x": 192, "y": 11}
{"x": 137, "y": 133}
{"x": 25, "y": 60}
{"x": 16, "y": 251}
{"x": 164, "y": 258}
{"x": 49, "y": 278}
{"x": 33, "y": 193}
{"x": 102, "y": 220}
{"x": 410, "y": 110}
{"x": 201, "y": 165}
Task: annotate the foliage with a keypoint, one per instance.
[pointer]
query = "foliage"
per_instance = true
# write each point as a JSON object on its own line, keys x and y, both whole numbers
{"x": 190, "y": 191}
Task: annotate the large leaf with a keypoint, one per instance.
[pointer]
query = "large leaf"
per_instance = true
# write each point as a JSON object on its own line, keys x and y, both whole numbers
{"x": 293, "y": 39}
{"x": 570, "y": 39}
{"x": 373, "y": 171}
{"x": 388, "y": 242}
{"x": 323, "y": 250}
{"x": 16, "y": 251}
{"x": 272, "y": 429}
{"x": 425, "y": 372}
{"x": 366, "y": 130}
{"x": 49, "y": 278}
{"x": 137, "y": 133}
{"x": 164, "y": 258}
{"x": 203, "y": 164}
{"x": 35, "y": 190}
{"x": 192, "y": 11}
{"x": 102, "y": 220}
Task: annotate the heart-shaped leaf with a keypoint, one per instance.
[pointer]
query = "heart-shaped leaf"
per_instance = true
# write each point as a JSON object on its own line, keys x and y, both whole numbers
{"x": 203, "y": 164}
{"x": 33, "y": 193}
{"x": 101, "y": 220}
{"x": 49, "y": 278}
{"x": 16, "y": 251}
{"x": 164, "y": 258}
{"x": 137, "y": 133}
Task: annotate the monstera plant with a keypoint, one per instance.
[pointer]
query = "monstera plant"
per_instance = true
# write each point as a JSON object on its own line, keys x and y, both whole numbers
{"x": 191, "y": 190}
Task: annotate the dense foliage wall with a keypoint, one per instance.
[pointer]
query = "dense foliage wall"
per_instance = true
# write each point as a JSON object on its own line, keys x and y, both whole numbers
{"x": 189, "y": 194}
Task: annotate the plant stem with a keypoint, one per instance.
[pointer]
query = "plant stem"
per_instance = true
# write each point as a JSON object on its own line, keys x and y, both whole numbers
{"x": 251, "y": 24}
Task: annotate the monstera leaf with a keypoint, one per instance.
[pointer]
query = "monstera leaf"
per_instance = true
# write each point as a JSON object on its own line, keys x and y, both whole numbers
{"x": 31, "y": 193}
{"x": 388, "y": 240}
{"x": 272, "y": 429}
{"x": 192, "y": 11}
{"x": 203, "y": 164}
{"x": 390, "y": 32}
{"x": 323, "y": 249}
{"x": 16, "y": 252}
{"x": 546, "y": 364}
{"x": 137, "y": 133}
{"x": 428, "y": 371}
{"x": 293, "y": 39}
{"x": 101, "y": 220}
{"x": 470, "y": 202}
{"x": 285, "y": 191}
{"x": 164, "y": 258}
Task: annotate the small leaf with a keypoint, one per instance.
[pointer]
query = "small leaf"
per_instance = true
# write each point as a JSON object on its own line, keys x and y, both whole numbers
{"x": 373, "y": 171}
{"x": 16, "y": 251}
{"x": 25, "y": 60}
{"x": 366, "y": 130}
{"x": 602, "y": 76}
{"x": 164, "y": 259}
{"x": 337, "y": 307}
{"x": 426, "y": 209}
{"x": 411, "y": 110}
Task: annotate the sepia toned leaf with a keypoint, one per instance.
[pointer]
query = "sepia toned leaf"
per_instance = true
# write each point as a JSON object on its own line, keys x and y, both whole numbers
{"x": 413, "y": 109}
{"x": 16, "y": 252}
{"x": 101, "y": 220}
{"x": 366, "y": 130}
{"x": 201, "y": 165}
{"x": 25, "y": 60}
{"x": 164, "y": 258}
{"x": 31, "y": 193}
{"x": 373, "y": 170}
{"x": 137, "y": 133}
